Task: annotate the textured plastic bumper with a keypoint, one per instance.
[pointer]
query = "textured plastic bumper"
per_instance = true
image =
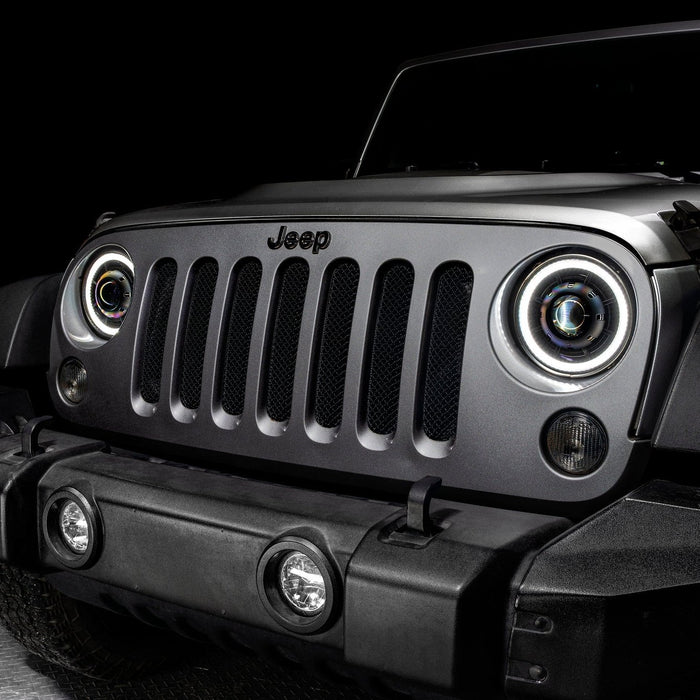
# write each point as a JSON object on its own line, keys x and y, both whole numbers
{"x": 407, "y": 605}
{"x": 486, "y": 601}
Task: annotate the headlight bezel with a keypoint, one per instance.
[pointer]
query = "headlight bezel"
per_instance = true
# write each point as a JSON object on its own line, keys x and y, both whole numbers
{"x": 80, "y": 318}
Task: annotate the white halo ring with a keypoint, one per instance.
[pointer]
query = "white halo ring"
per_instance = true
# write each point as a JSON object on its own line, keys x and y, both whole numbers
{"x": 95, "y": 321}
{"x": 532, "y": 345}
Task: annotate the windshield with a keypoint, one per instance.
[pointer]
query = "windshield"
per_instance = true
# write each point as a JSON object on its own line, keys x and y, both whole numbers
{"x": 622, "y": 105}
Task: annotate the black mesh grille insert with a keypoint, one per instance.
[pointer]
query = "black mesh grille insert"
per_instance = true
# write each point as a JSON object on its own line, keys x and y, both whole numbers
{"x": 284, "y": 339}
{"x": 388, "y": 338}
{"x": 202, "y": 285}
{"x": 162, "y": 286}
{"x": 334, "y": 341}
{"x": 452, "y": 290}
{"x": 246, "y": 285}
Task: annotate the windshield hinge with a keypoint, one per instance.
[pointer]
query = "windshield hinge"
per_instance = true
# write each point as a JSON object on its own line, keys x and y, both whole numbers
{"x": 685, "y": 223}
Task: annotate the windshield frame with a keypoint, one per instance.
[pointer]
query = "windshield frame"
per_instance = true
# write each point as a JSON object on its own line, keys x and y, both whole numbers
{"x": 691, "y": 26}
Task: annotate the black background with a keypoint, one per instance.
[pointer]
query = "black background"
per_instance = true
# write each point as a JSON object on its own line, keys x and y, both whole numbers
{"x": 120, "y": 112}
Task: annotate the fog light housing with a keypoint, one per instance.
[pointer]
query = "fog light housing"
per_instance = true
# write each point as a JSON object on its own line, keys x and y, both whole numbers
{"x": 575, "y": 443}
{"x": 72, "y": 380}
{"x": 71, "y": 527}
{"x": 298, "y": 585}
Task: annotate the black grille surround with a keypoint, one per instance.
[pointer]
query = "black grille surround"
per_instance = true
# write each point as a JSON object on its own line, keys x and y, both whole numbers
{"x": 403, "y": 309}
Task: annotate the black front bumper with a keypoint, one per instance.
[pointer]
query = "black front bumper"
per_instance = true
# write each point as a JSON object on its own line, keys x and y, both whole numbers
{"x": 488, "y": 601}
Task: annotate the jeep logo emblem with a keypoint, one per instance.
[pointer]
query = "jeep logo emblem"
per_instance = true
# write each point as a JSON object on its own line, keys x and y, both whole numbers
{"x": 320, "y": 240}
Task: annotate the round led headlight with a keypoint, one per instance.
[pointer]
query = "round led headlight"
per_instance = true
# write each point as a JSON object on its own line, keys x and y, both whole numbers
{"x": 107, "y": 290}
{"x": 573, "y": 315}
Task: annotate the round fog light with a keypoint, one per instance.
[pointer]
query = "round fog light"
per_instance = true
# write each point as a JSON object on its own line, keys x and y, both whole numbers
{"x": 298, "y": 585}
{"x": 72, "y": 380}
{"x": 74, "y": 527}
{"x": 576, "y": 443}
{"x": 301, "y": 584}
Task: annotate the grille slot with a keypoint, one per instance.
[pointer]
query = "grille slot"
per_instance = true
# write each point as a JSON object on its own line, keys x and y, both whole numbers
{"x": 331, "y": 364}
{"x": 283, "y": 341}
{"x": 162, "y": 286}
{"x": 444, "y": 350}
{"x": 388, "y": 337}
{"x": 244, "y": 296}
{"x": 191, "y": 361}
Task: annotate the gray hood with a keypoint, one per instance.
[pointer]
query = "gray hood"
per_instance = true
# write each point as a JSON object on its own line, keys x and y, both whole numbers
{"x": 626, "y": 206}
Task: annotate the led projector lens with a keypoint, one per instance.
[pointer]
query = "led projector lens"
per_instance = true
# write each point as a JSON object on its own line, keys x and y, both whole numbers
{"x": 573, "y": 315}
{"x": 575, "y": 443}
{"x": 72, "y": 381}
{"x": 107, "y": 291}
{"x": 301, "y": 584}
{"x": 74, "y": 527}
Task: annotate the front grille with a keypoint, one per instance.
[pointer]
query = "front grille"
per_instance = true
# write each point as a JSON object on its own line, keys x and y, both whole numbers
{"x": 383, "y": 357}
{"x": 282, "y": 299}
